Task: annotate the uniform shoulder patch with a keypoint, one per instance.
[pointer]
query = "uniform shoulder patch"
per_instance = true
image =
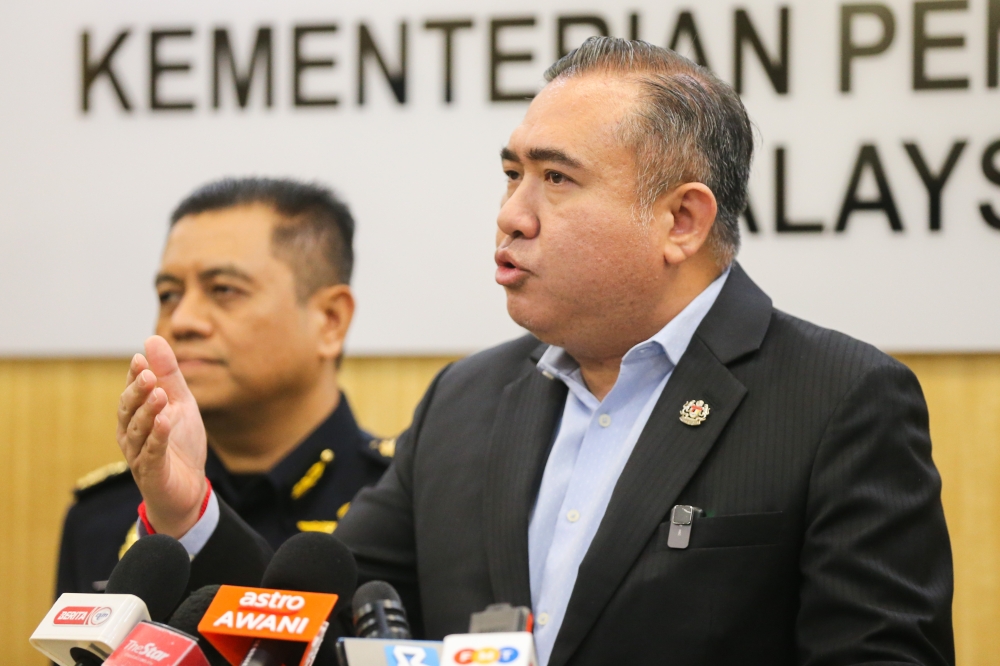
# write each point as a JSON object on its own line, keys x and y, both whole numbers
{"x": 100, "y": 476}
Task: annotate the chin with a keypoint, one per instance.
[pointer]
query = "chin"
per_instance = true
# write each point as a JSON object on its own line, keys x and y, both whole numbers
{"x": 212, "y": 398}
{"x": 536, "y": 319}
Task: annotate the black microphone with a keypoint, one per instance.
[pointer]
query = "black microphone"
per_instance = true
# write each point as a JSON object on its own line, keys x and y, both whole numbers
{"x": 379, "y": 612}
{"x": 307, "y": 562}
{"x": 156, "y": 569}
{"x": 188, "y": 615}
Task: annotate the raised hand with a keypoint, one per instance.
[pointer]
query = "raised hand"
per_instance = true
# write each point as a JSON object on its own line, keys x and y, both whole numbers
{"x": 161, "y": 433}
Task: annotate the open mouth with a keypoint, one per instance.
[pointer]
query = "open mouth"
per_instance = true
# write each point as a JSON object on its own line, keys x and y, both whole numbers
{"x": 508, "y": 272}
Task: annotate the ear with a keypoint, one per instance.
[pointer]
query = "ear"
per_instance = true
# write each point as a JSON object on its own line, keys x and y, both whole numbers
{"x": 685, "y": 216}
{"x": 332, "y": 308}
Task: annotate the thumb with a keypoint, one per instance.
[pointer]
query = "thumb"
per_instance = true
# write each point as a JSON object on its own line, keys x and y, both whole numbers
{"x": 163, "y": 363}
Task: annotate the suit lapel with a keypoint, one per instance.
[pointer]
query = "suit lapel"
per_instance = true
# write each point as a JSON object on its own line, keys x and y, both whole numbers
{"x": 525, "y": 423}
{"x": 668, "y": 453}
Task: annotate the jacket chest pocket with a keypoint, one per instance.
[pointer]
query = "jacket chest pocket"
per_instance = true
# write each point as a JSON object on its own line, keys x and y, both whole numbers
{"x": 748, "y": 529}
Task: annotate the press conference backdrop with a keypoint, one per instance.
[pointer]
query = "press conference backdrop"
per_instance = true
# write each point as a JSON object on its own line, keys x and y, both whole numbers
{"x": 875, "y": 195}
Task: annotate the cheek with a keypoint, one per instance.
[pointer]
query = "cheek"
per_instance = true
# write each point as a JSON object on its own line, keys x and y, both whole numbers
{"x": 604, "y": 253}
{"x": 270, "y": 346}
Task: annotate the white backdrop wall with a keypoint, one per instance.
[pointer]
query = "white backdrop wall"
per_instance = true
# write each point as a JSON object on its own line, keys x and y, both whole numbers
{"x": 89, "y": 175}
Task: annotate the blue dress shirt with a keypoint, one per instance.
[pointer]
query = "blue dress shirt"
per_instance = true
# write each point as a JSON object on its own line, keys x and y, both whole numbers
{"x": 592, "y": 444}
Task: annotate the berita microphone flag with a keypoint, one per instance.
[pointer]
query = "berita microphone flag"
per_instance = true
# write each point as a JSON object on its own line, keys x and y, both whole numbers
{"x": 238, "y": 616}
{"x": 94, "y": 623}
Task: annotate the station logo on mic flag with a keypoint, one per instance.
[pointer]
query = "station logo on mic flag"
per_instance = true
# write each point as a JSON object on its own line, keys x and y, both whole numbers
{"x": 515, "y": 648}
{"x": 153, "y": 645}
{"x": 410, "y": 655}
{"x": 238, "y": 616}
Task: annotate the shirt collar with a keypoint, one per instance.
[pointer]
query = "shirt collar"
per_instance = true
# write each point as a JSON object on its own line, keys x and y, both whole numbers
{"x": 338, "y": 432}
{"x": 673, "y": 339}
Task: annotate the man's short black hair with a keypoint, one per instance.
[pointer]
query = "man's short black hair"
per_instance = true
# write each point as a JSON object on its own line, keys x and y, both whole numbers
{"x": 315, "y": 237}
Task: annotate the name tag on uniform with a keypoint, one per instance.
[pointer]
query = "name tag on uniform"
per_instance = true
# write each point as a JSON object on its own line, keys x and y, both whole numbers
{"x": 682, "y": 518}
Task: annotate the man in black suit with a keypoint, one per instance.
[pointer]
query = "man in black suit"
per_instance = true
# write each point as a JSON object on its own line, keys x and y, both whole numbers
{"x": 668, "y": 470}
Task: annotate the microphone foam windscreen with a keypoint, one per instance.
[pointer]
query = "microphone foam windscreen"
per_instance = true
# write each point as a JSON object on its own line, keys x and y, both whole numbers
{"x": 374, "y": 590}
{"x": 313, "y": 562}
{"x": 189, "y": 614}
{"x": 156, "y": 569}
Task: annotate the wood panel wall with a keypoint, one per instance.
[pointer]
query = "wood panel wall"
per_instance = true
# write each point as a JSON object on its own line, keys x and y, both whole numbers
{"x": 57, "y": 421}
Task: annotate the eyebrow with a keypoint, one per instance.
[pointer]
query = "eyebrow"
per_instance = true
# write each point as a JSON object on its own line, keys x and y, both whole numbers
{"x": 227, "y": 270}
{"x": 542, "y": 155}
{"x": 166, "y": 277}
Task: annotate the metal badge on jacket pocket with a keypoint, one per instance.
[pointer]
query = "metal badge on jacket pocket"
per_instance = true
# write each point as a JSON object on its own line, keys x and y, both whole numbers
{"x": 681, "y": 518}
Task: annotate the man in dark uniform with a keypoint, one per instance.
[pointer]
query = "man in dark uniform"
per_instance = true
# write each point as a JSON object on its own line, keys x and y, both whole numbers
{"x": 255, "y": 302}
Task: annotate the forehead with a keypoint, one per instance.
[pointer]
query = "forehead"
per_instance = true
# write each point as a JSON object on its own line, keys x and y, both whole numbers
{"x": 581, "y": 113}
{"x": 238, "y": 234}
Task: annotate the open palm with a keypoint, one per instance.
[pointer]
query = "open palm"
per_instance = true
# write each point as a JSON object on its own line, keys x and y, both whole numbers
{"x": 162, "y": 435}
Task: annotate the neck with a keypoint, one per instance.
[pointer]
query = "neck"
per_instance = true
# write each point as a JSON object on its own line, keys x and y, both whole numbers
{"x": 254, "y": 438}
{"x": 600, "y": 370}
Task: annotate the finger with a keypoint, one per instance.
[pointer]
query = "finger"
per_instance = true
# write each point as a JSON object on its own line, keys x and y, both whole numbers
{"x": 137, "y": 365}
{"x": 163, "y": 362}
{"x": 159, "y": 436}
{"x": 136, "y": 393}
{"x": 141, "y": 424}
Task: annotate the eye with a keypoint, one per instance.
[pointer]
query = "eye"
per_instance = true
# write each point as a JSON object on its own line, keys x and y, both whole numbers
{"x": 168, "y": 297}
{"x": 556, "y": 178}
{"x": 224, "y": 291}
{"x": 511, "y": 174}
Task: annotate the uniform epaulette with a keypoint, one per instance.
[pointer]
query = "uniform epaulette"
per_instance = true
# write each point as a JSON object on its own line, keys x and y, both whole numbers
{"x": 384, "y": 447}
{"x": 99, "y": 477}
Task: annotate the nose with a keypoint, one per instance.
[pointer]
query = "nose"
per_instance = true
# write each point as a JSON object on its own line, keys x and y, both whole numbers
{"x": 518, "y": 217}
{"x": 190, "y": 318}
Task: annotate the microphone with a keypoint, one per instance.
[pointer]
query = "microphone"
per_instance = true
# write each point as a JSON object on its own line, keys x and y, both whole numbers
{"x": 84, "y": 629}
{"x": 379, "y": 612}
{"x": 284, "y": 621}
{"x": 189, "y": 614}
{"x": 499, "y": 634}
{"x": 503, "y": 617}
{"x": 156, "y": 569}
{"x": 383, "y": 632}
{"x": 309, "y": 562}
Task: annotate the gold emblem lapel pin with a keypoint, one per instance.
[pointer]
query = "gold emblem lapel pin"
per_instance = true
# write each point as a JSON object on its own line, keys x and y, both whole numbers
{"x": 694, "y": 412}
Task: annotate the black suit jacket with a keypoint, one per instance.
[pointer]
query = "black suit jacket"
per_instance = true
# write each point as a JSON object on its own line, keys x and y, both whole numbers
{"x": 823, "y": 539}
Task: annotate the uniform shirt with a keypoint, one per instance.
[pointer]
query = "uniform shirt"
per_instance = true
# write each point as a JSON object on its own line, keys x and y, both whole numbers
{"x": 592, "y": 444}
{"x": 309, "y": 490}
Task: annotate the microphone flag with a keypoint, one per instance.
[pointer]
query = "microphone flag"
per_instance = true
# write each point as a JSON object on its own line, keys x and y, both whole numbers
{"x": 97, "y": 623}
{"x": 388, "y": 652}
{"x": 151, "y": 644}
{"x": 238, "y": 616}
{"x": 516, "y": 648}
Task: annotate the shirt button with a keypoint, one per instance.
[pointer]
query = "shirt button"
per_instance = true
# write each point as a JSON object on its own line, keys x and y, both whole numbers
{"x": 542, "y": 619}
{"x": 573, "y": 516}
{"x": 604, "y": 420}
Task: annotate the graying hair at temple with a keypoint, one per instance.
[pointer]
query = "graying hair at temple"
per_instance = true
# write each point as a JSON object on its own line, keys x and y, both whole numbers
{"x": 690, "y": 127}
